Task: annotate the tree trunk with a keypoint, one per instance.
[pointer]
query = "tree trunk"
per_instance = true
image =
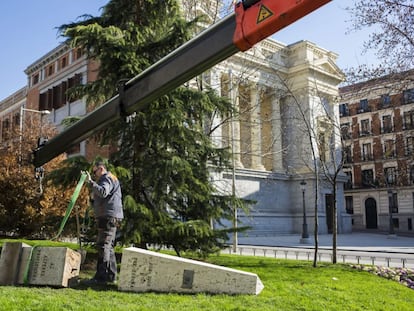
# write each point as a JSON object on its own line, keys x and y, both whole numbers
{"x": 334, "y": 225}
{"x": 316, "y": 227}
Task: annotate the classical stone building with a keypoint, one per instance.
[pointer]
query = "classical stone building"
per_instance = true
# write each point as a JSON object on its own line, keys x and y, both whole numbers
{"x": 286, "y": 102}
{"x": 377, "y": 122}
{"x": 286, "y": 98}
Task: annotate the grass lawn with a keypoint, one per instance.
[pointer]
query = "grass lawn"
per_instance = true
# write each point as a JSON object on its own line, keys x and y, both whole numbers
{"x": 289, "y": 285}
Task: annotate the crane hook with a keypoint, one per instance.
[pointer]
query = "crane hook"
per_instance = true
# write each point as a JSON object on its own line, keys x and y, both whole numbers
{"x": 39, "y": 174}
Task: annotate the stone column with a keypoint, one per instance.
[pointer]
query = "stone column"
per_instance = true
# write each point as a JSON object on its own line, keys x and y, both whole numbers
{"x": 217, "y": 135}
{"x": 234, "y": 129}
{"x": 255, "y": 128}
{"x": 277, "y": 146}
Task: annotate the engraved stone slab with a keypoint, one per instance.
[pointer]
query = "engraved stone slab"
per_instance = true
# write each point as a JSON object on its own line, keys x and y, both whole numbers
{"x": 143, "y": 271}
{"x": 54, "y": 266}
{"x": 11, "y": 258}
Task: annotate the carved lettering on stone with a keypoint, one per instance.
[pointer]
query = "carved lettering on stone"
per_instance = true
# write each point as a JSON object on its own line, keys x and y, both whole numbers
{"x": 143, "y": 271}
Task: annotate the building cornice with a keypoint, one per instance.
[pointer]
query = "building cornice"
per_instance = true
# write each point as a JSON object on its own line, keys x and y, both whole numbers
{"x": 47, "y": 58}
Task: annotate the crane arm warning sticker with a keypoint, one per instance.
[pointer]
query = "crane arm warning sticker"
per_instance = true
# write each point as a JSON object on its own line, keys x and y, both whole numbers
{"x": 264, "y": 13}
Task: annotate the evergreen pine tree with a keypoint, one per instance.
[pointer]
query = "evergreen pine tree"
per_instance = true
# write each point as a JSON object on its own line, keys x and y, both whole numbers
{"x": 169, "y": 199}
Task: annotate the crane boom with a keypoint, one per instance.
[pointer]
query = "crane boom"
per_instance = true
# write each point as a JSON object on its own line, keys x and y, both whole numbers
{"x": 252, "y": 21}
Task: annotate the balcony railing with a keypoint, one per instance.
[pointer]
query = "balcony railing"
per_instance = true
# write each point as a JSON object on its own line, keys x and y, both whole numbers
{"x": 348, "y": 185}
{"x": 367, "y": 157}
{"x": 387, "y": 129}
{"x": 389, "y": 155}
{"x": 364, "y": 133}
{"x": 363, "y": 110}
{"x": 408, "y": 127}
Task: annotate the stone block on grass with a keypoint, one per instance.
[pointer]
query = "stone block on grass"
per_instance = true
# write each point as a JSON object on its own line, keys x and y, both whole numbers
{"x": 11, "y": 259}
{"x": 147, "y": 271}
{"x": 54, "y": 266}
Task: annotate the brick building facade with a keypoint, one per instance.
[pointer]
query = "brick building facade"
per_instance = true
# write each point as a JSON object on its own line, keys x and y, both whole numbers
{"x": 377, "y": 127}
{"x": 48, "y": 80}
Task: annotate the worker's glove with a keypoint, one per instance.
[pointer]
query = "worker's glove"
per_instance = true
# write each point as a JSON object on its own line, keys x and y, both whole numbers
{"x": 88, "y": 176}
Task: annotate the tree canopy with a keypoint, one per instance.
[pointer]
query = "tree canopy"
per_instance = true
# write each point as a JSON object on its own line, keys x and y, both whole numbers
{"x": 392, "y": 37}
{"x": 167, "y": 147}
{"x": 31, "y": 207}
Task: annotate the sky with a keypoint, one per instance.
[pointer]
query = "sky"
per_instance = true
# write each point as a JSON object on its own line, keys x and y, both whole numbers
{"x": 28, "y": 31}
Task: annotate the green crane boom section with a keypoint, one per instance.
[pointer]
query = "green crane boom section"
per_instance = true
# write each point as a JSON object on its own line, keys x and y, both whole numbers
{"x": 251, "y": 22}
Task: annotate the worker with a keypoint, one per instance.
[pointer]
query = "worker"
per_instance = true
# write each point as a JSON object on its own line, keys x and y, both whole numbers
{"x": 107, "y": 205}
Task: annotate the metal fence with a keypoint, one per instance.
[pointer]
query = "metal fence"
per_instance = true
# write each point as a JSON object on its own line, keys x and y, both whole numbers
{"x": 349, "y": 256}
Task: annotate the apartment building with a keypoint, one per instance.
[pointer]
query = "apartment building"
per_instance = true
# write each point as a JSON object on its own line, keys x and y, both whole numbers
{"x": 377, "y": 129}
{"x": 10, "y": 109}
{"x": 49, "y": 78}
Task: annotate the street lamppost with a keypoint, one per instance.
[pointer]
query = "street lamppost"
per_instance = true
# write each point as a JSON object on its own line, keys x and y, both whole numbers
{"x": 305, "y": 236}
{"x": 41, "y": 112}
{"x": 391, "y": 231}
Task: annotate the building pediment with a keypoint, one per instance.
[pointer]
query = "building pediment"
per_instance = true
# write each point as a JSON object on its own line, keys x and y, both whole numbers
{"x": 328, "y": 66}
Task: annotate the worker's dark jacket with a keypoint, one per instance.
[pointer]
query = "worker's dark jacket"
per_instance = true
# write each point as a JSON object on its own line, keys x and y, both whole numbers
{"x": 107, "y": 197}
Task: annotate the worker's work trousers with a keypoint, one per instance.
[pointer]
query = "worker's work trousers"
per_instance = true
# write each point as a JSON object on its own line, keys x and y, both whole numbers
{"x": 106, "y": 267}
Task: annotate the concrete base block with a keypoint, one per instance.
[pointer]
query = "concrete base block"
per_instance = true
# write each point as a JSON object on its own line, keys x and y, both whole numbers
{"x": 143, "y": 271}
{"x": 11, "y": 259}
{"x": 54, "y": 266}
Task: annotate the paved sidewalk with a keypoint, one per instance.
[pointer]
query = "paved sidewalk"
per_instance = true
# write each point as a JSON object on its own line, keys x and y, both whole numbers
{"x": 356, "y": 241}
{"x": 360, "y": 248}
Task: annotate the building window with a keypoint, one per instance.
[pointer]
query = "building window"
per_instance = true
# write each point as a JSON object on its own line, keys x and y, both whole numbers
{"x": 345, "y": 131}
{"x": 16, "y": 119}
{"x": 413, "y": 200}
{"x": 366, "y": 152}
{"x": 343, "y": 110}
{"x": 363, "y": 106}
{"x": 409, "y": 120}
{"x": 389, "y": 149}
{"x": 411, "y": 175}
{"x": 386, "y": 124}
{"x": 349, "y": 205}
{"x": 409, "y": 145}
{"x": 368, "y": 178}
{"x": 365, "y": 130}
{"x": 390, "y": 174}
{"x": 35, "y": 79}
{"x": 408, "y": 96}
{"x": 348, "y": 184}
{"x": 5, "y": 129}
{"x": 64, "y": 62}
{"x": 394, "y": 203}
{"x": 56, "y": 97}
{"x": 396, "y": 223}
{"x": 385, "y": 100}
{"x": 50, "y": 70}
{"x": 78, "y": 54}
{"x": 347, "y": 155}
